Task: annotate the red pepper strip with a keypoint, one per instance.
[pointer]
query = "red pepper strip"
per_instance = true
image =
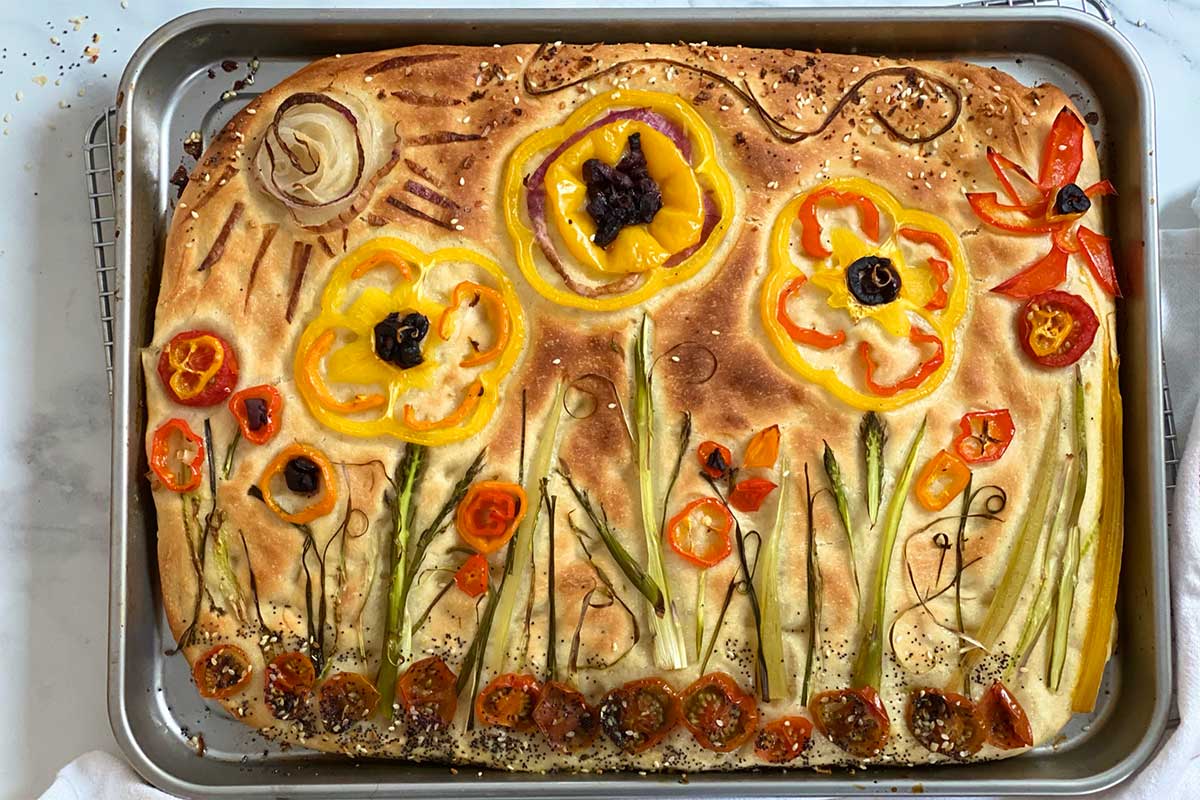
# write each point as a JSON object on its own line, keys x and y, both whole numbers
{"x": 1018, "y": 219}
{"x": 941, "y": 271}
{"x": 1042, "y": 275}
{"x": 919, "y": 236}
{"x": 1063, "y": 153}
{"x": 984, "y": 435}
{"x": 472, "y": 576}
{"x": 809, "y": 336}
{"x": 1098, "y": 255}
{"x": 165, "y": 456}
{"x": 749, "y": 495}
{"x": 1064, "y": 237}
{"x": 999, "y": 164}
{"x": 1100, "y": 189}
{"x": 810, "y": 228}
{"x": 923, "y": 370}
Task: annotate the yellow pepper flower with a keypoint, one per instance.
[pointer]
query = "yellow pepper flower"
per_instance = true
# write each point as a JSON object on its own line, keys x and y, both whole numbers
{"x": 669, "y": 250}
{"x": 932, "y": 291}
{"x": 337, "y": 349}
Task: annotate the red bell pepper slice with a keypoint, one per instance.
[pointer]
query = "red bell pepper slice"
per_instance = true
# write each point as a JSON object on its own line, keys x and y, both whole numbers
{"x": 748, "y": 495}
{"x": 1017, "y": 219}
{"x": 984, "y": 435}
{"x": 169, "y": 456}
{"x": 919, "y": 375}
{"x": 810, "y": 227}
{"x": 1062, "y": 155}
{"x": 999, "y": 164}
{"x": 919, "y": 236}
{"x": 808, "y": 336}
{"x": 941, "y": 272}
{"x": 258, "y": 411}
{"x": 1042, "y": 275}
{"x": 472, "y": 576}
{"x": 1098, "y": 254}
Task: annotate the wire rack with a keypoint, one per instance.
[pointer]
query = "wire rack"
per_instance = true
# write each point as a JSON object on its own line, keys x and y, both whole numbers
{"x": 100, "y": 181}
{"x": 1096, "y": 8}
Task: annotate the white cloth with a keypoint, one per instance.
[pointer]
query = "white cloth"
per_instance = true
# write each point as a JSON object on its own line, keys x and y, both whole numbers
{"x": 100, "y": 776}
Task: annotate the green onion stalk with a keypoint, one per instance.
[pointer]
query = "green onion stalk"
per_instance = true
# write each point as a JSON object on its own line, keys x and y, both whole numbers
{"x": 868, "y": 666}
{"x": 1065, "y": 600}
{"x": 772, "y": 626}
{"x": 670, "y": 647}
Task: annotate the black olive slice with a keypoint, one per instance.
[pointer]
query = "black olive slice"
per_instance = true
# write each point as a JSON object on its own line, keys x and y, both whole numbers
{"x": 620, "y": 195}
{"x": 257, "y": 413}
{"x": 1071, "y": 200}
{"x": 398, "y": 339}
{"x": 873, "y": 280}
{"x": 302, "y": 476}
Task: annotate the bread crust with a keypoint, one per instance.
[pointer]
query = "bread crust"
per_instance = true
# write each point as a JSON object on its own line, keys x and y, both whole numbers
{"x": 479, "y": 92}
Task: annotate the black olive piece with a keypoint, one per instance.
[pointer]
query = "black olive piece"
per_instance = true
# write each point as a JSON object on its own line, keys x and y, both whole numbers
{"x": 873, "y": 280}
{"x": 398, "y": 339}
{"x": 1071, "y": 200}
{"x": 716, "y": 461}
{"x": 302, "y": 476}
{"x": 620, "y": 195}
{"x": 257, "y": 414}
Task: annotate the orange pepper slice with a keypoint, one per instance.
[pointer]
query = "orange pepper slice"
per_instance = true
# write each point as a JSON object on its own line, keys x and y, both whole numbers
{"x": 464, "y": 409}
{"x": 312, "y": 372}
{"x": 922, "y": 372}
{"x": 809, "y": 336}
{"x": 499, "y": 313}
{"x": 319, "y": 507}
{"x": 942, "y": 480}
{"x": 489, "y": 513}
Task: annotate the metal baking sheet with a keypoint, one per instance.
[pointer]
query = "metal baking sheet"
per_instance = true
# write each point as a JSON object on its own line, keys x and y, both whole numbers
{"x": 166, "y": 92}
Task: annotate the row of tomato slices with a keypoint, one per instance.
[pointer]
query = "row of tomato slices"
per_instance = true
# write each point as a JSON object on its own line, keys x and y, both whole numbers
{"x": 635, "y": 717}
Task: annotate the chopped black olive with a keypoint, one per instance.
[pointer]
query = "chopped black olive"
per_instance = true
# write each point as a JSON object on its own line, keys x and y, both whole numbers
{"x": 621, "y": 195}
{"x": 716, "y": 461}
{"x": 873, "y": 280}
{"x": 1071, "y": 200}
{"x": 257, "y": 414}
{"x": 302, "y": 476}
{"x": 398, "y": 339}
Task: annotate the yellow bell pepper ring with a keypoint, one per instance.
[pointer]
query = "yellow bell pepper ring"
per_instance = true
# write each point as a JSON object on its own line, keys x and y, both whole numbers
{"x": 919, "y": 303}
{"x": 386, "y": 346}
{"x": 544, "y": 190}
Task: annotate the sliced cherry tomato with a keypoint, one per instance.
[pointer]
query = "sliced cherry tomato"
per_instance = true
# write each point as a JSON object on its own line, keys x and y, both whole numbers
{"x": 700, "y": 532}
{"x": 853, "y": 719}
{"x": 222, "y": 672}
{"x": 810, "y": 226}
{"x": 489, "y": 514}
{"x": 715, "y": 459}
{"x": 1004, "y": 721}
{"x": 1041, "y": 276}
{"x": 807, "y": 336}
{"x": 258, "y": 411}
{"x": 428, "y": 693}
{"x": 1097, "y": 252}
{"x": 345, "y": 699}
{"x": 198, "y": 368}
{"x": 916, "y": 378}
{"x": 472, "y": 576}
{"x": 324, "y": 495}
{"x": 944, "y": 722}
{"x": 1062, "y": 155}
{"x": 639, "y": 714}
{"x": 783, "y": 740}
{"x": 719, "y": 714}
{"x": 763, "y": 449}
{"x": 509, "y": 701}
{"x": 984, "y": 435}
{"x": 177, "y": 456}
{"x": 749, "y": 495}
{"x": 290, "y": 680}
{"x": 1056, "y": 328}
{"x": 565, "y": 718}
{"x": 942, "y": 480}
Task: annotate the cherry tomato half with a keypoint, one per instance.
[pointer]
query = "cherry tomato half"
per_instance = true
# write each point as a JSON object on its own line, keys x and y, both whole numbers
{"x": 783, "y": 739}
{"x": 428, "y": 693}
{"x": 1056, "y": 328}
{"x": 198, "y": 368}
{"x": 639, "y": 714}
{"x": 290, "y": 679}
{"x": 509, "y": 701}
{"x": 222, "y": 672}
{"x": 565, "y": 718}
{"x": 345, "y": 699}
{"x": 944, "y": 722}
{"x": 1004, "y": 721}
{"x": 853, "y": 719}
{"x": 719, "y": 714}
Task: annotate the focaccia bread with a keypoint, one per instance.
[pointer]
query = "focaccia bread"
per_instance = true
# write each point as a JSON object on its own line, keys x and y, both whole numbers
{"x": 655, "y": 407}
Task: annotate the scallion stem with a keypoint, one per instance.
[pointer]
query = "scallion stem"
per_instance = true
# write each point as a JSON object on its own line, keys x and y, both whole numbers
{"x": 771, "y": 629}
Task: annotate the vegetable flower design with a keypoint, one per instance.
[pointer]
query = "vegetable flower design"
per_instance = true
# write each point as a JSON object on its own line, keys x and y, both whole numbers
{"x": 898, "y": 281}
{"x": 1053, "y": 204}
{"x": 626, "y": 190}
{"x": 401, "y": 332}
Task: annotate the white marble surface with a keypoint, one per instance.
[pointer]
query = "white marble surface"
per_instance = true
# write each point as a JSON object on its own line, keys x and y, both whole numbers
{"x": 54, "y": 421}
